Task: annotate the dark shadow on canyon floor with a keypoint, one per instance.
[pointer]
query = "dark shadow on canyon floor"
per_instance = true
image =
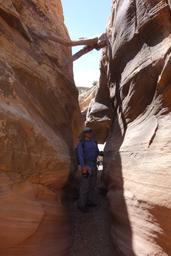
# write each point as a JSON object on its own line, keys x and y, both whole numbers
{"x": 90, "y": 232}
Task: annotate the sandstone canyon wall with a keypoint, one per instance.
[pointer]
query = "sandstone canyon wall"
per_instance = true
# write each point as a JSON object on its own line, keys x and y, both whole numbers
{"x": 38, "y": 115}
{"x": 136, "y": 79}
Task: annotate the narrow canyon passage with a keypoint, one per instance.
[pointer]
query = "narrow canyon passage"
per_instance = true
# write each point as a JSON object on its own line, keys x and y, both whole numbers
{"x": 91, "y": 230}
{"x": 128, "y": 108}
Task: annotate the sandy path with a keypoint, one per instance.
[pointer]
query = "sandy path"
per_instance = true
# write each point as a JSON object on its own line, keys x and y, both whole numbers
{"x": 91, "y": 231}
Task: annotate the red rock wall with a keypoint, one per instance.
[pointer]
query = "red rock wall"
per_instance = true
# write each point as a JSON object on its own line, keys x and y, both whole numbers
{"x": 39, "y": 116}
{"x": 138, "y": 148}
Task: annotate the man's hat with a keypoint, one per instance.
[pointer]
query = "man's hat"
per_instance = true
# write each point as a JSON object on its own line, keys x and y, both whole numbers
{"x": 87, "y": 129}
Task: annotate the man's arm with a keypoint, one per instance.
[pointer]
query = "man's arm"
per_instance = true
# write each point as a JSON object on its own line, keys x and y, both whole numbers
{"x": 80, "y": 155}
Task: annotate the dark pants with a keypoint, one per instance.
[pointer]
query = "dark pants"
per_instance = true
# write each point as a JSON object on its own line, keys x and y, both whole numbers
{"x": 88, "y": 189}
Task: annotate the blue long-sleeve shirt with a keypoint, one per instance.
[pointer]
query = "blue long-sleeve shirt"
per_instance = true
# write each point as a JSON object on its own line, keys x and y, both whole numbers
{"x": 87, "y": 153}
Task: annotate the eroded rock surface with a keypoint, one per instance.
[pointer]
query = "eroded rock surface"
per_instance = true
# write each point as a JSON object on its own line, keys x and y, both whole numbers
{"x": 38, "y": 115}
{"x": 138, "y": 148}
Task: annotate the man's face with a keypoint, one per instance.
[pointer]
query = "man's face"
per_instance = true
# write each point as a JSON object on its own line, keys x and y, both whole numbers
{"x": 88, "y": 135}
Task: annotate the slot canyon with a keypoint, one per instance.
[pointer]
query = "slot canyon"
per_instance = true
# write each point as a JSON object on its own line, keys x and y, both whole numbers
{"x": 40, "y": 122}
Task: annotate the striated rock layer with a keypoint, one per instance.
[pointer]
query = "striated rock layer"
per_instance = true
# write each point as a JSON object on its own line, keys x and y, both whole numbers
{"x": 86, "y": 98}
{"x": 138, "y": 148}
{"x": 38, "y": 115}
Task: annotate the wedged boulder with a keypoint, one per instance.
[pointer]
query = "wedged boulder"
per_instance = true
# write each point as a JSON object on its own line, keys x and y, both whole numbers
{"x": 138, "y": 147}
{"x": 39, "y": 121}
{"x": 86, "y": 96}
{"x": 99, "y": 112}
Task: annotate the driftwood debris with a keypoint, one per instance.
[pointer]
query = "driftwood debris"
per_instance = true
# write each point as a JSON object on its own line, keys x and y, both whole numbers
{"x": 100, "y": 43}
{"x": 90, "y": 44}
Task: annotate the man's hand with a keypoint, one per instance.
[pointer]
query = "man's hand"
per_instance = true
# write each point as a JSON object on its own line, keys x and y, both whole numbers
{"x": 84, "y": 170}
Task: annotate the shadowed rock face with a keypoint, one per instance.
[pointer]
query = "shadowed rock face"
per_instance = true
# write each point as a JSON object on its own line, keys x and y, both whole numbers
{"x": 39, "y": 116}
{"x": 138, "y": 148}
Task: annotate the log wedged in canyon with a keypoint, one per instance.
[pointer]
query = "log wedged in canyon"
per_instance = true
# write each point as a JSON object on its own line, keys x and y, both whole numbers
{"x": 138, "y": 149}
{"x": 39, "y": 121}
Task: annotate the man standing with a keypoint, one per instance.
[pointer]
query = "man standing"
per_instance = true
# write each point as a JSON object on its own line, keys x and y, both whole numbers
{"x": 87, "y": 153}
